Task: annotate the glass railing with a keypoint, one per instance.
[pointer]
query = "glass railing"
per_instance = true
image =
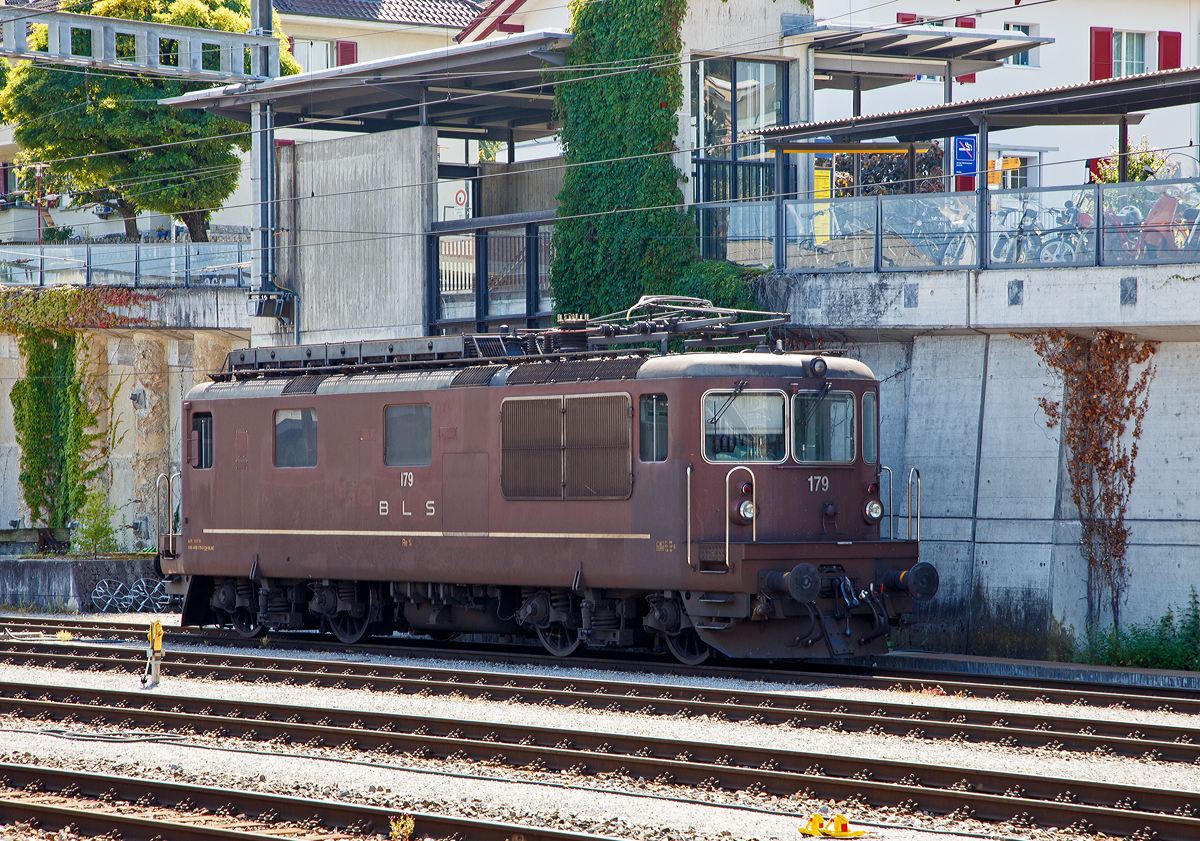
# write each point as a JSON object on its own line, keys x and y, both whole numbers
{"x": 928, "y": 231}
{"x": 1051, "y": 226}
{"x": 506, "y": 269}
{"x": 456, "y": 277}
{"x": 126, "y": 264}
{"x": 831, "y": 235}
{"x": 1147, "y": 222}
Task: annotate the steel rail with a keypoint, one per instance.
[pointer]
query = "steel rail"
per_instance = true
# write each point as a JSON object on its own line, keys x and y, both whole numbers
{"x": 1035, "y": 730}
{"x": 266, "y": 807}
{"x": 990, "y": 795}
{"x": 1072, "y": 692}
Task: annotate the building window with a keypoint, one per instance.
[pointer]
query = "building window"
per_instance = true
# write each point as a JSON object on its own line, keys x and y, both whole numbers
{"x": 1020, "y": 59}
{"x": 652, "y": 435}
{"x": 312, "y": 55}
{"x": 1129, "y": 53}
{"x": 202, "y": 440}
{"x": 408, "y": 435}
{"x": 1015, "y": 179}
{"x": 731, "y": 99}
{"x": 296, "y": 438}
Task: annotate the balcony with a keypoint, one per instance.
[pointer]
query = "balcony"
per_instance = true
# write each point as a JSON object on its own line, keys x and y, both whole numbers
{"x": 207, "y": 264}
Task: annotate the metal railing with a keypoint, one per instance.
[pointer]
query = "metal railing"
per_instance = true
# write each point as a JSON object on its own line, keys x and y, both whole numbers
{"x": 126, "y": 264}
{"x": 1132, "y": 223}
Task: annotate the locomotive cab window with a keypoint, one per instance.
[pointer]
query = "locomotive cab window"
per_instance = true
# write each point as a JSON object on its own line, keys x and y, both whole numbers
{"x": 823, "y": 427}
{"x": 408, "y": 435}
{"x": 745, "y": 426}
{"x": 652, "y": 434}
{"x": 202, "y": 441}
{"x": 870, "y": 427}
{"x": 296, "y": 438}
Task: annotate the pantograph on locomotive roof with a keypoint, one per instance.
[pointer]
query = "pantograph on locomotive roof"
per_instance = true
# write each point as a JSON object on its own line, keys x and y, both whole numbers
{"x": 646, "y": 328}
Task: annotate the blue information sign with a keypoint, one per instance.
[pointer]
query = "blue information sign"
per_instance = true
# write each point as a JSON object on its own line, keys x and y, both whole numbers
{"x": 964, "y": 155}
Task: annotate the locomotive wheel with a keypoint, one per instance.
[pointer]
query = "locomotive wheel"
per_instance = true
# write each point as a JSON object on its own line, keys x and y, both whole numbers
{"x": 558, "y": 639}
{"x": 347, "y": 628}
{"x": 687, "y": 647}
{"x": 246, "y": 624}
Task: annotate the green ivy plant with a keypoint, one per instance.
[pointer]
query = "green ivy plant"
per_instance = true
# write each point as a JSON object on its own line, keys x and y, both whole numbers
{"x": 61, "y": 450}
{"x": 95, "y": 535}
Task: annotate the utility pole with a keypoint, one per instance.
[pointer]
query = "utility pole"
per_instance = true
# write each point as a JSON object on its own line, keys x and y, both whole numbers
{"x": 262, "y": 154}
{"x": 39, "y": 199}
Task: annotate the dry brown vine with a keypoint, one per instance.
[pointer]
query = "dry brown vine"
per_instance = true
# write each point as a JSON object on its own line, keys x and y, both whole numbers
{"x": 1101, "y": 398}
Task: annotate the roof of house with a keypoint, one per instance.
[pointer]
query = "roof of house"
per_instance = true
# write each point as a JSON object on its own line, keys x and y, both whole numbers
{"x": 439, "y": 13}
{"x": 490, "y": 19}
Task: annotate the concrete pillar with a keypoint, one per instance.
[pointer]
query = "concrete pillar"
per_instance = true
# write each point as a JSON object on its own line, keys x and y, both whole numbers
{"x": 151, "y": 426}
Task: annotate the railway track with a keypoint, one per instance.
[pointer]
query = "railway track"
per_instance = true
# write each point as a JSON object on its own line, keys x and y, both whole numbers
{"x": 963, "y": 724}
{"x": 97, "y": 804}
{"x": 984, "y": 794}
{"x": 1072, "y": 692}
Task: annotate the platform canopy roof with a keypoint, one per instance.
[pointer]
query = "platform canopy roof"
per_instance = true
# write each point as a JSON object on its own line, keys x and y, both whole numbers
{"x": 1105, "y": 102}
{"x": 889, "y": 55}
{"x": 480, "y": 90}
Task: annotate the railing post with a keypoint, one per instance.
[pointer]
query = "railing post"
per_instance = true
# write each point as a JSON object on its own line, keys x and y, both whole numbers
{"x": 780, "y": 231}
{"x": 137, "y": 263}
{"x": 532, "y": 304}
{"x": 187, "y": 265}
{"x": 87, "y": 249}
{"x": 481, "y": 278}
{"x": 41, "y": 265}
{"x": 981, "y": 188}
{"x": 878, "y": 234}
{"x": 1100, "y": 226}
{"x": 433, "y": 275}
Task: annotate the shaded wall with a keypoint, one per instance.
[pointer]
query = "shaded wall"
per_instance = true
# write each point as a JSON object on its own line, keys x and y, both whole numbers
{"x": 519, "y": 188}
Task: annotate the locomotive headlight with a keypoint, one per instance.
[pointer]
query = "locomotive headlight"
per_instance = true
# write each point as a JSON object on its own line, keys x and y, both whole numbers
{"x": 873, "y": 510}
{"x": 746, "y": 510}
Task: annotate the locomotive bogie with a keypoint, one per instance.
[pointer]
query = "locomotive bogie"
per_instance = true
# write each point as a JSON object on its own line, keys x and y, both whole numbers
{"x": 696, "y": 501}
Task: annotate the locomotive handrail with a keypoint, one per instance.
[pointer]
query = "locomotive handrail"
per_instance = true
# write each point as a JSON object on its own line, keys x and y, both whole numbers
{"x": 689, "y": 517}
{"x": 170, "y": 546}
{"x": 753, "y": 501}
{"x": 911, "y": 473}
{"x": 891, "y": 514}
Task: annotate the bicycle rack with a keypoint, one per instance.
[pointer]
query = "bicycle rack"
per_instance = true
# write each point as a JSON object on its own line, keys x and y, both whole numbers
{"x": 753, "y": 501}
{"x": 891, "y": 514}
{"x": 911, "y": 473}
{"x": 166, "y": 540}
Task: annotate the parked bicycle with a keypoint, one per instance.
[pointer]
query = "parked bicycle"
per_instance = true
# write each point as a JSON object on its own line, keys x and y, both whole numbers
{"x": 1020, "y": 238}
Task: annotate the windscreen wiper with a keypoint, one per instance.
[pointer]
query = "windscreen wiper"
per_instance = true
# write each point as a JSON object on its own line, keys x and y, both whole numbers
{"x": 737, "y": 389}
{"x": 825, "y": 389}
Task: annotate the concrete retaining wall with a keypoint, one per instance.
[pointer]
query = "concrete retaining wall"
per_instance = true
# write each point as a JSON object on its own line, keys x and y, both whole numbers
{"x": 65, "y": 582}
{"x": 960, "y": 403}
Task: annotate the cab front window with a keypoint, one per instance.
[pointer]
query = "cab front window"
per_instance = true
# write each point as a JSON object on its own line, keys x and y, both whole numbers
{"x": 823, "y": 427}
{"x": 745, "y": 426}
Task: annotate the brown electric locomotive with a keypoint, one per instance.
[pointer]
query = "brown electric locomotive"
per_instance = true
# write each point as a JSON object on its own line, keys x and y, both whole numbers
{"x": 562, "y": 483}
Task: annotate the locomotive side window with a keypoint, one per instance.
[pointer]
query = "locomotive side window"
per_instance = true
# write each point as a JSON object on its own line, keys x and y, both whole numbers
{"x": 202, "y": 440}
{"x": 870, "y": 428}
{"x": 824, "y": 427}
{"x": 745, "y": 426}
{"x": 652, "y": 414}
{"x": 408, "y": 435}
{"x": 296, "y": 438}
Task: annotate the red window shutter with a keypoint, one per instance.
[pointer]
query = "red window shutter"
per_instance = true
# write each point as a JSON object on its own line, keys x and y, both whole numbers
{"x": 347, "y": 52}
{"x": 905, "y": 17}
{"x": 291, "y": 45}
{"x": 965, "y": 23}
{"x": 1102, "y": 57}
{"x": 1170, "y": 50}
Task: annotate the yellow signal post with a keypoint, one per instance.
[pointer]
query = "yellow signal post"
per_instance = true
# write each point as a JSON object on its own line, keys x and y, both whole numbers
{"x": 153, "y": 655}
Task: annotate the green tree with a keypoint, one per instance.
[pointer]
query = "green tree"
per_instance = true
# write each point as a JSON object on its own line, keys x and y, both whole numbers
{"x": 104, "y": 131}
{"x": 1145, "y": 162}
{"x": 608, "y": 252}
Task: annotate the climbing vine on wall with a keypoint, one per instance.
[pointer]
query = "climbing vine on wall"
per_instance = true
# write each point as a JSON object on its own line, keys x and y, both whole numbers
{"x": 1104, "y": 404}
{"x": 61, "y": 449}
{"x": 605, "y": 255}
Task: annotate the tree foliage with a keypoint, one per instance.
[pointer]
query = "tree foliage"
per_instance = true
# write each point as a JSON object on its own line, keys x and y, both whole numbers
{"x": 106, "y": 137}
{"x": 620, "y": 233}
{"x": 1145, "y": 163}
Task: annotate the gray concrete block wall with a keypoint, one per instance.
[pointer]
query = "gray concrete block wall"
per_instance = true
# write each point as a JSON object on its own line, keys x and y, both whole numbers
{"x": 1006, "y": 546}
{"x": 353, "y": 213}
